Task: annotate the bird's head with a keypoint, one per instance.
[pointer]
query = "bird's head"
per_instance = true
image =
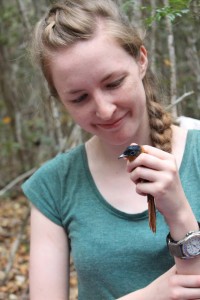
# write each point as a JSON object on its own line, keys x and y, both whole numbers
{"x": 131, "y": 152}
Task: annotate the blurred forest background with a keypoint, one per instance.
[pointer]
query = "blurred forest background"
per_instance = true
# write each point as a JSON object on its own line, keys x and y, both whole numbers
{"x": 34, "y": 127}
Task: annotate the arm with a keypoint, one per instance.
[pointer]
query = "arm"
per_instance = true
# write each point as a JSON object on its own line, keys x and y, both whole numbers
{"x": 169, "y": 286}
{"x": 49, "y": 259}
{"x": 178, "y": 229}
{"x": 161, "y": 179}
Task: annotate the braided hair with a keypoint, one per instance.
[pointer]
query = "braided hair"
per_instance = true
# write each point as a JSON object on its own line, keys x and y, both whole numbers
{"x": 73, "y": 20}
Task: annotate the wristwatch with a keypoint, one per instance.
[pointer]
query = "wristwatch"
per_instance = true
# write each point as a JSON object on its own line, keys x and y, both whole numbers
{"x": 188, "y": 247}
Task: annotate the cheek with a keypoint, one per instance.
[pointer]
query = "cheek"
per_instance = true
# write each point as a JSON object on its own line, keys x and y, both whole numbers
{"x": 135, "y": 94}
{"x": 79, "y": 115}
{"x": 138, "y": 103}
{"x": 73, "y": 111}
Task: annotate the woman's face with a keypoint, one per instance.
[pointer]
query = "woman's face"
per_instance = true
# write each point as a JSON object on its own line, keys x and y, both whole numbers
{"x": 100, "y": 85}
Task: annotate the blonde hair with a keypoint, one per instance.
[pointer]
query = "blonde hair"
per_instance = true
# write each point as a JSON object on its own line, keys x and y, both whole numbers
{"x": 74, "y": 20}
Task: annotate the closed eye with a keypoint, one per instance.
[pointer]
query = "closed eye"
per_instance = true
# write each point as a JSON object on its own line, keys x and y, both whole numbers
{"x": 115, "y": 84}
{"x": 80, "y": 99}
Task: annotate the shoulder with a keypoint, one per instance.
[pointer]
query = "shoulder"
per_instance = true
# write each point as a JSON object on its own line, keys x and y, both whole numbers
{"x": 182, "y": 136}
{"x": 45, "y": 188}
{"x": 62, "y": 160}
{"x": 54, "y": 171}
{"x": 185, "y": 143}
{"x": 194, "y": 136}
{"x": 179, "y": 139}
{"x": 191, "y": 152}
{"x": 179, "y": 135}
{"x": 193, "y": 142}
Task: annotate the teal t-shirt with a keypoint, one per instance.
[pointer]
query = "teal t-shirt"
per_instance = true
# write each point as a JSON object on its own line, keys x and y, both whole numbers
{"x": 114, "y": 253}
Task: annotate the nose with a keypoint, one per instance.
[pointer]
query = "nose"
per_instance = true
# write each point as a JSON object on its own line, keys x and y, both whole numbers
{"x": 104, "y": 106}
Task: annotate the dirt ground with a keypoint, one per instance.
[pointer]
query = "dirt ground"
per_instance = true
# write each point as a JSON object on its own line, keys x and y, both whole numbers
{"x": 14, "y": 251}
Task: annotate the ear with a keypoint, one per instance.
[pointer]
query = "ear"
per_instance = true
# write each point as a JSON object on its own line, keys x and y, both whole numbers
{"x": 143, "y": 61}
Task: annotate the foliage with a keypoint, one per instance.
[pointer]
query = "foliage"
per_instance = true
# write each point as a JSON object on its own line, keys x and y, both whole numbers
{"x": 127, "y": 5}
{"x": 176, "y": 9}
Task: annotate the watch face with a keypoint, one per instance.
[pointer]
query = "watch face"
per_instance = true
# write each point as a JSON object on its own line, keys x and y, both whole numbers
{"x": 191, "y": 247}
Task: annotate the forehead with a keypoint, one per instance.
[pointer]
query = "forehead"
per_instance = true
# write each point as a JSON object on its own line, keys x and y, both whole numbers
{"x": 98, "y": 52}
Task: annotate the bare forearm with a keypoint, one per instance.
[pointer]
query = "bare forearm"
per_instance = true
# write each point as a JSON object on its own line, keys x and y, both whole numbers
{"x": 169, "y": 286}
{"x": 178, "y": 231}
{"x": 159, "y": 289}
{"x": 138, "y": 295}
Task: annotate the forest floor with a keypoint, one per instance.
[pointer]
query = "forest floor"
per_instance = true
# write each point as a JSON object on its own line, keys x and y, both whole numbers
{"x": 14, "y": 251}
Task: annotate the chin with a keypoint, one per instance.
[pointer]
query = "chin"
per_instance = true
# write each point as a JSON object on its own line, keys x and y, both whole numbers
{"x": 123, "y": 141}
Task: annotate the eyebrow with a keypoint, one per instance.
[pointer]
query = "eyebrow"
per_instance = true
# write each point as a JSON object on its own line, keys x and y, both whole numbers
{"x": 73, "y": 91}
{"x": 108, "y": 76}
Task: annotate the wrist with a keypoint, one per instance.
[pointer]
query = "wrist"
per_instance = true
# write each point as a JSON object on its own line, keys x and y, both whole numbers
{"x": 182, "y": 224}
{"x": 186, "y": 248}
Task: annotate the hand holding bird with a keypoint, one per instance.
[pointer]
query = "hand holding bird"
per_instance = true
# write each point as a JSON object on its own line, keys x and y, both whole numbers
{"x": 131, "y": 153}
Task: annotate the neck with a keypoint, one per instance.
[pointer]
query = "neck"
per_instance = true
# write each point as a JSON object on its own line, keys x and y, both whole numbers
{"x": 109, "y": 153}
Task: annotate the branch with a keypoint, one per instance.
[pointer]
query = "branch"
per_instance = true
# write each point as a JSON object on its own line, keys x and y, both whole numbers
{"x": 57, "y": 122}
{"x": 75, "y": 138}
{"x": 172, "y": 58}
{"x": 23, "y": 12}
{"x": 180, "y": 99}
{"x": 16, "y": 181}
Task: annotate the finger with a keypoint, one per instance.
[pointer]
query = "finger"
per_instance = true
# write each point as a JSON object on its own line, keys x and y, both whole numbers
{"x": 190, "y": 281}
{"x": 156, "y": 152}
{"x": 143, "y": 174}
{"x": 186, "y": 293}
{"x": 147, "y": 160}
{"x": 144, "y": 188}
{"x": 185, "y": 286}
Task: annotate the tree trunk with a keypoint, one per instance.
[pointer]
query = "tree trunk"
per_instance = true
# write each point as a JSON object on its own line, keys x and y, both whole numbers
{"x": 137, "y": 14}
{"x": 23, "y": 14}
{"x": 172, "y": 58}
{"x": 57, "y": 124}
{"x": 194, "y": 61}
{"x": 153, "y": 38}
{"x": 8, "y": 91}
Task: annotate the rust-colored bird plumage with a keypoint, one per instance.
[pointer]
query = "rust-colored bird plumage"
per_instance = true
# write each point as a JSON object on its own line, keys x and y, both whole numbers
{"x": 131, "y": 153}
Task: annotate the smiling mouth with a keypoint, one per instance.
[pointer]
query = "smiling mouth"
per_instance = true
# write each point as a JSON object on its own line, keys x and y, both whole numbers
{"x": 112, "y": 125}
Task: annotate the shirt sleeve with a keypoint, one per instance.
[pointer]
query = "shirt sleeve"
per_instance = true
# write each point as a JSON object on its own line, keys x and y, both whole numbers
{"x": 43, "y": 189}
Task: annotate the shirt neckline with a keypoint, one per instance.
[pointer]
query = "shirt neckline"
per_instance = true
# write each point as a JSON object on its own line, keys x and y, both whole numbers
{"x": 105, "y": 203}
{"x": 102, "y": 200}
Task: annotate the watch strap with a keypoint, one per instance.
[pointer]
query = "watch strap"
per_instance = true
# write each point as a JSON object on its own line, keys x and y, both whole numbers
{"x": 175, "y": 247}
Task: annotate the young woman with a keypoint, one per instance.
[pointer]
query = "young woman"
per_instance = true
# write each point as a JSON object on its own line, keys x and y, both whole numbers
{"x": 87, "y": 201}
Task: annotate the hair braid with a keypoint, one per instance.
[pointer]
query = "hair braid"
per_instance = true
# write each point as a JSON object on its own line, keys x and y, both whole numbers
{"x": 71, "y": 21}
{"x": 160, "y": 121}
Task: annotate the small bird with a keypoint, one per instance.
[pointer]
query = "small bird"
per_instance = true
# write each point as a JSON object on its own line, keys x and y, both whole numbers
{"x": 131, "y": 152}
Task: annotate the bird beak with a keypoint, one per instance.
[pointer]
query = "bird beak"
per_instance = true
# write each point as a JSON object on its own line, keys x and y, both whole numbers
{"x": 122, "y": 156}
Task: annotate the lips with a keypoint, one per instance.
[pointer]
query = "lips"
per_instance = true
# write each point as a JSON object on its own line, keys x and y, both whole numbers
{"x": 112, "y": 124}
